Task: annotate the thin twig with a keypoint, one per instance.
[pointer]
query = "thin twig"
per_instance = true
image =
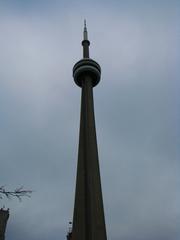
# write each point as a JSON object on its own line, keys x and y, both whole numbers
{"x": 18, "y": 193}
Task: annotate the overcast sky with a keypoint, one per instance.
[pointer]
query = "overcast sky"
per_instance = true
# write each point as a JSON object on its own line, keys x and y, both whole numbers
{"x": 136, "y": 43}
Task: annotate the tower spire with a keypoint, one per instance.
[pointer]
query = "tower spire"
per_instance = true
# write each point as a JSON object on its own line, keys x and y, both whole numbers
{"x": 85, "y": 41}
{"x": 85, "y": 33}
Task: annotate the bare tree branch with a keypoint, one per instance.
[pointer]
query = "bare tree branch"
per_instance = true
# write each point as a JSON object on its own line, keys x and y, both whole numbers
{"x": 18, "y": 193}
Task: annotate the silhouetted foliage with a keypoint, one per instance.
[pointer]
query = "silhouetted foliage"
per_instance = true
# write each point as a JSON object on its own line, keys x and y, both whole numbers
{"x": 18, "y": 193}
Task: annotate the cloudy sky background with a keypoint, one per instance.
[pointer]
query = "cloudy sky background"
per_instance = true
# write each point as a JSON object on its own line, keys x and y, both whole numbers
{"x": 136, "y": 106}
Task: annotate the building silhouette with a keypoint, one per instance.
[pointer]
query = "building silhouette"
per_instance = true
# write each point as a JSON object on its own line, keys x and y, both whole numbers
{"x": 4, "y": 215}
{"x": 88, "y": 219}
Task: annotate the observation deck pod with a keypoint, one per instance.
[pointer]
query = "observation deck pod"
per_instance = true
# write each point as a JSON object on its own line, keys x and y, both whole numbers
{"x": 86, "y": 67}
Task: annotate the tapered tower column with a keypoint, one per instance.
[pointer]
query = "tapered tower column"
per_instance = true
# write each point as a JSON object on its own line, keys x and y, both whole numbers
{"x": 88, "y": 219}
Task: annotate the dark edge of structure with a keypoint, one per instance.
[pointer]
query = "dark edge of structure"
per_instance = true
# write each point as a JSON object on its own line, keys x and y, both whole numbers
{"x": 4, "y": 215}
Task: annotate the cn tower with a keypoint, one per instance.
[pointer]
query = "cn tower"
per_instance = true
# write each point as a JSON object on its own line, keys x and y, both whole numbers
{"x": 88, "y": 219}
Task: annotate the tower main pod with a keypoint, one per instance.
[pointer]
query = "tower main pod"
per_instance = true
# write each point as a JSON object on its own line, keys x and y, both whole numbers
{"x": 88, "y": 219}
